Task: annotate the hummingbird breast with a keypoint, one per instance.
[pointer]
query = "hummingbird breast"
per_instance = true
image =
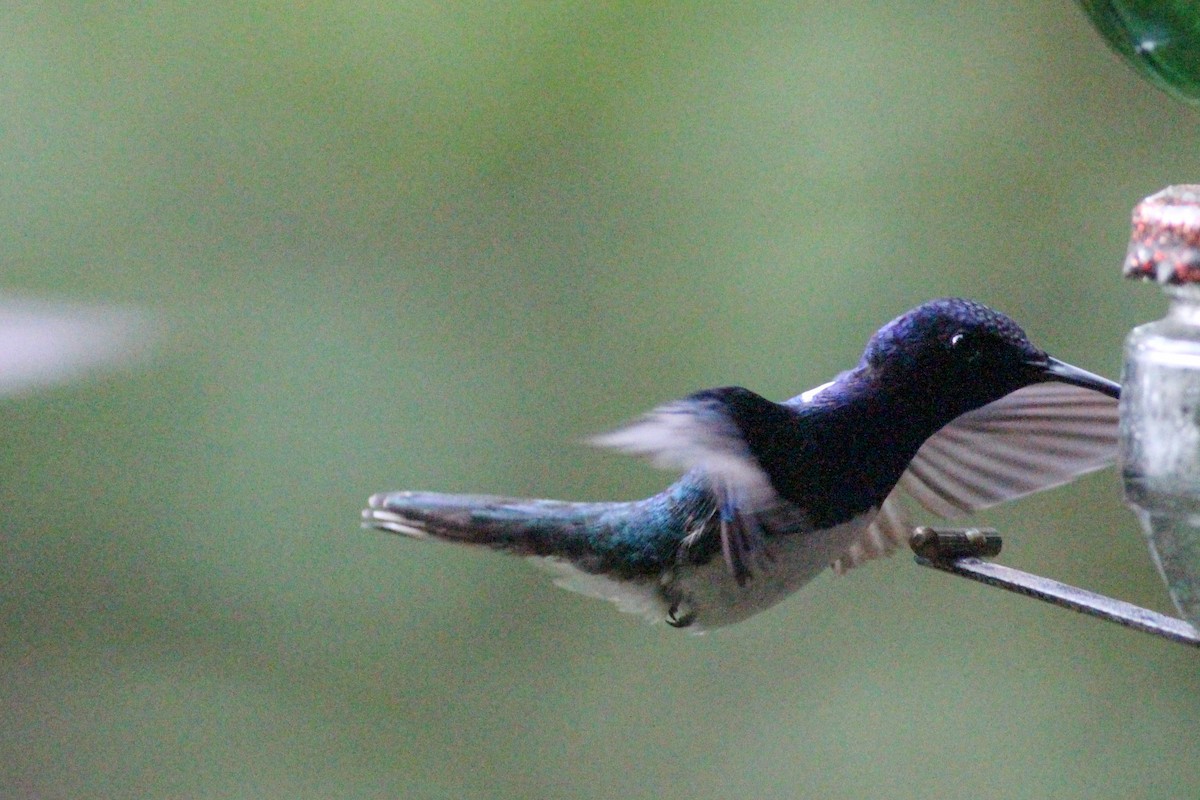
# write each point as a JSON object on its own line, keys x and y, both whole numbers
{"x": 707, "y": 595}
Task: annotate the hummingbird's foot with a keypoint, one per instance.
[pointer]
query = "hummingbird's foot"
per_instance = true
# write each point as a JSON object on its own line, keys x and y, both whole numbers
{"x": 680, "y": 620}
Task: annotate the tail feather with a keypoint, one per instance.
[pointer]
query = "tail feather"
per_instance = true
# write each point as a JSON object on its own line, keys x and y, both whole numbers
{"x": 614, "y": 551}
{"x": 516, "y": 525}
{"x": 622, "y": 538}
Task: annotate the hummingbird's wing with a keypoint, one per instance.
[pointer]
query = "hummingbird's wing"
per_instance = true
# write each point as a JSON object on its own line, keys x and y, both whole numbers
{"x": 1033, "y": 439}
{"x": 45, "y": 342}
{"x": 887, "y": 533}
{"x": 697, "y": 433}
{"x": 694, "y": 432}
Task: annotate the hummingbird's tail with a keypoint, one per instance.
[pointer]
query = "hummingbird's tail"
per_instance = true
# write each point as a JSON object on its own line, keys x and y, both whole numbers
{"x": 614, "y": 551}
{"x": 519, "y": 526}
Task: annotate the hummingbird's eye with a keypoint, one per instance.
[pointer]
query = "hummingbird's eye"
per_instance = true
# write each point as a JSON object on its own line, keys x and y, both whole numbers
{"x": 965, "y": 346}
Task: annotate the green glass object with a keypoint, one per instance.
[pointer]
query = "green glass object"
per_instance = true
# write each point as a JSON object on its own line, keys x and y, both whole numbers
{"x": 1160, "y": 38}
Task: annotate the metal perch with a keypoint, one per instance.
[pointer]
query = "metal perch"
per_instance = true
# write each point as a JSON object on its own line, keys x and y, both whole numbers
{"x": 960, "y": 551}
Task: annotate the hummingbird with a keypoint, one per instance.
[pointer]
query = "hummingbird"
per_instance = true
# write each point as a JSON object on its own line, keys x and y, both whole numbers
{"x": 951, "y": 406}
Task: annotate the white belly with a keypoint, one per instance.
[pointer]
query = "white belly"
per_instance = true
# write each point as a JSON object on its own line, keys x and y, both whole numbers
{"x": 716, "y": 599}
{"x": 709, "y": 593}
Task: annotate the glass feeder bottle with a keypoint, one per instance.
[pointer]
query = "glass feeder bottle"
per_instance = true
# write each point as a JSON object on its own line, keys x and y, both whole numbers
{"x": 1160, "y": 395}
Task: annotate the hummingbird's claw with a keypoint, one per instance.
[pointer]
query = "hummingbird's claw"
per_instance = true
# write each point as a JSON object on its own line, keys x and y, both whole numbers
{"x": 677, "y": 620}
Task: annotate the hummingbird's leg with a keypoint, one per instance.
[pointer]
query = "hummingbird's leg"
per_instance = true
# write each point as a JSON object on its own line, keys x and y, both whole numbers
{"x": 679, "y": 616}
{"x": 689, "y": 553}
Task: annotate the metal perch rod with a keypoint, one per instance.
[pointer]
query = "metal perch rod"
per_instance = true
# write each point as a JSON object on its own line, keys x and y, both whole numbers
{"x": 958, "y": 551}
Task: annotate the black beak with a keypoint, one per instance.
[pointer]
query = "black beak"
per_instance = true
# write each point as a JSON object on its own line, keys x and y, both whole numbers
{"x": 1054, "y": 370}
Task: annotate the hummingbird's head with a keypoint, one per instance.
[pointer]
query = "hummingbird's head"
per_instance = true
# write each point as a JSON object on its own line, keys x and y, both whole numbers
{"x": 964, "y": 355}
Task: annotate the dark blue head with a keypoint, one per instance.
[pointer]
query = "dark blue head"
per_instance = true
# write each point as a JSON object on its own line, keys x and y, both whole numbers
{"x": 955, "y": 355}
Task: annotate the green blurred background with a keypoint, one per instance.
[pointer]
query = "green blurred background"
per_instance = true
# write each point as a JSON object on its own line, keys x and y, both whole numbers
{"x": 413, "y": 245}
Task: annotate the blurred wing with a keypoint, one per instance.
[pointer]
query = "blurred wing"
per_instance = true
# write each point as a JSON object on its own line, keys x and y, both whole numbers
{"x": 887, "y": 533}
{"x": 697, "y": 433}
{"x": 1036, "y": 438}
{"x": 690, "y": 433}
{"x": 45, "y": 342}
